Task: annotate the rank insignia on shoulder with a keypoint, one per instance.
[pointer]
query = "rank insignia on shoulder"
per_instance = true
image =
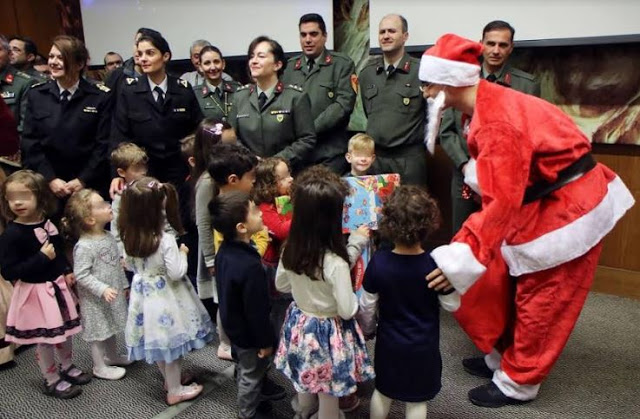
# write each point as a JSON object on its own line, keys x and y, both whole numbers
{"x": 39, "y": 84}
{"x": 131, "y": 80}
{"x": 179, "y": 109}
{"x": 406, "y": 101}
{"x": 90, "y": 109}
{"x": 295, "y": 87}
{"x": 183, "y": 82}
{"x": 102, "y": 87}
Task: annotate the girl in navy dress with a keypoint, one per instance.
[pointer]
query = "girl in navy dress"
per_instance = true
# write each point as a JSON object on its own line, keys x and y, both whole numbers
{"x": 43, "y": 309}
{"x": 408, "y": 365}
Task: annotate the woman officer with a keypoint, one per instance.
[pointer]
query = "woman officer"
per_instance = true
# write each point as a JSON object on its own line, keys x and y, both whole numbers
{"x": 215, "y": 95}
{"x": 272, "y": 119}
{"x": 155, "y": 111}
{"x": 67, "y": 123}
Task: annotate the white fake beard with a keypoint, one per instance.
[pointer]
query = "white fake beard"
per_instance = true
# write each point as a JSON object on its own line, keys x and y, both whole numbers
{"x": 435, "y": 107}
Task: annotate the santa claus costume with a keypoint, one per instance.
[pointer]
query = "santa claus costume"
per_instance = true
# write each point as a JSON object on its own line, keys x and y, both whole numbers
{"x": 546, "y": 206}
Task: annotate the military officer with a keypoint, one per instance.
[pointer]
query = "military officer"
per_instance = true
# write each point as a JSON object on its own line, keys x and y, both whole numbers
{"x": 394, "y": 106}
{"x": 271, "y": 118}
{"x": 497, "y": 39}
{"x": 13, "y": 85}
{"x": 215, "y": 95}
{"x": 23, "y": 56}
{"x": 326, "y": 77}
{"x": 67, "y": 123}
{"x": 155, "y": 111}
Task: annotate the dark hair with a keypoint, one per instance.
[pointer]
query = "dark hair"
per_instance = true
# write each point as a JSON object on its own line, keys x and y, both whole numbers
{"x": 498, "y": 25}
{"x": 230, "y": 159}
{"x": 266, "y": 187}
{"x": 72, "y": 50}
{"x": 314, "y": 18}
{"x": 36, "y": 183}
{"x": 104, "y": 59}
{"x": 205, "y": 139}
{"x": 78, "y": 208}
{"x": 211, "y": 48}
{"x": 29, "y": 46}
{"x": 275, "y": 48}
{"x": 316, "y": 227}
{"x": 409, "y": 216}
{"x": 40, "y": 60}
{"x": 148, "y": 32}
{"x": 142, "y": 215}
{"x": 227, "y": 210}
{"x": 157, "y": 41}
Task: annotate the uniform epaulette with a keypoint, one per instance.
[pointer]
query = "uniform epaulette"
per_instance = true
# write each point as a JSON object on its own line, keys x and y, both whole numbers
{"x": 294, "y": 87}
{"x": 245, "y": 87}
{"x": 24, "y": 75}
{"x": 101, "y": 86}
{"x": 374, "y": 60}
{"x": 294, "y": 58}
{"x": 40, "y": 83}
{"x": 183, "y": 83}
{"x": 131, "y": 80}
{"x": 522, "y": 74}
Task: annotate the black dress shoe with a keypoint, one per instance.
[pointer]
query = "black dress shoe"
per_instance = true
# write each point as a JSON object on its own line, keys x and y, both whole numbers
{"x": 489, "y": 395}
{"x": 477, "y": 366}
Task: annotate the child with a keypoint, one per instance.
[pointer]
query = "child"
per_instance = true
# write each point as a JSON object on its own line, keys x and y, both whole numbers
{"x": 186, "y": 197}
{"x": 242, "y": 287}
{"x": 166, "y": 319}
{"x": 130, "y": 162}
{"x": 360, "y": 154}
{"x": 101, "y": 280}
{"x": 43, "y": 309}
{"x": 408, "y": 364}
{"x": 321, "y": 350}
{"x": 233, "y": 168}
{"x": 209, "y": 133}
{"x": 273, "y": 179}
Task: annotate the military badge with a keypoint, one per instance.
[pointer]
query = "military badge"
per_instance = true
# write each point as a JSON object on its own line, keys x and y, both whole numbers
{"x": 406, "y": 101}
{"x": 298, "y": 64}
{"x": 328, "y": 59}
{"x": 330, "y": 94}
{"x": 9, "y": 78}
{"x": 407, "y": 66}
{"x": 279, "y": 117}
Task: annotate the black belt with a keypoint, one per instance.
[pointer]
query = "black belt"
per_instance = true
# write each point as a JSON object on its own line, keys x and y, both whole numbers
{"x": 568, "y": 174}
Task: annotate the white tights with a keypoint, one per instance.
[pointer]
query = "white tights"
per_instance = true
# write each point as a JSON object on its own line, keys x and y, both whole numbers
{"x": 380, "y": 405}
{"x": 329, "y": 407}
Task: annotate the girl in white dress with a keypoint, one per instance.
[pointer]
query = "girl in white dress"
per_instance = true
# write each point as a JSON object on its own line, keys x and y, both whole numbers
{"x": 166, "y": 318}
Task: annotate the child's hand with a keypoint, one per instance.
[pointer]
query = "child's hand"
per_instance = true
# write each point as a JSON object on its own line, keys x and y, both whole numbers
{"x": 116, "y": 187}
{"x": 212, "y": 271}
{"x": 438, "y": 281}
{"x": 109, "y": 295}
{"x": 70, "y": 279}
{"x": 363, "y": 230}
{"x": 48, "y": 250}
{"x": 184, "y": 249}
{"x": 265, "y": 352}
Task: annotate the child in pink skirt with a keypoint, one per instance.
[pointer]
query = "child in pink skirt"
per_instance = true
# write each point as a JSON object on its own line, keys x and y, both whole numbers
{"x": 43, "y": 309}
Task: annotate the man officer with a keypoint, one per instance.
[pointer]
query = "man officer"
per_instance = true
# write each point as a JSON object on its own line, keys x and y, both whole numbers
{"x": 326, "y": 78}
{"x": 394, "y": 106}
{"x": 497, "y": 39}
{"x": 13, "y": 85}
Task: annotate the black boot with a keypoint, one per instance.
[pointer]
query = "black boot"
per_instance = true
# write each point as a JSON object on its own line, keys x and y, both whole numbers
{"x": 489, "y": 395}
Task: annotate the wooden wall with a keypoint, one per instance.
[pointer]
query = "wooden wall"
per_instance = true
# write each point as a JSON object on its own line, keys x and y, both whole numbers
{"x": 36, "y": 19}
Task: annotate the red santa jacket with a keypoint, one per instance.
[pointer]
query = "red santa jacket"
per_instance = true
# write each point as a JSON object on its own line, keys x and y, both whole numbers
{"x": 515, "y": 141}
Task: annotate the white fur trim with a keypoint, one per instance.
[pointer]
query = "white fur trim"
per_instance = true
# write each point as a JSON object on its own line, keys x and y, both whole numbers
{"x": 510, "y": 388}
{"x": 493, "y": 359}
{"x": 448, "y": 72}
{"x": 572, "y": 240}
{"x": 450, "y": 302}
{"x": 470, "y": 172}
{"x": 459, "y": 265}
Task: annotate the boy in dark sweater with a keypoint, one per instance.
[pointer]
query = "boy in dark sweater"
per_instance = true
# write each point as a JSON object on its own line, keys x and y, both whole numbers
{"x": 243, "y": 295}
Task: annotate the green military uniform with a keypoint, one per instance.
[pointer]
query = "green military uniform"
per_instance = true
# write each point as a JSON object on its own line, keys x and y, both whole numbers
{"x": 455, "y": 145}
{"x": 13, "y": 88}
{"x": 216, "y": 104}
{"x": 35, "y": 74}
{"x": 332, "y": 97}
{"x": 395, "y": 111}
{"x": 283, "y": 127}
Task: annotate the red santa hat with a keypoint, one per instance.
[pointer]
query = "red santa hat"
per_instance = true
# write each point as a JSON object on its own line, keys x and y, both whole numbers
{"x": 452, "y": 61}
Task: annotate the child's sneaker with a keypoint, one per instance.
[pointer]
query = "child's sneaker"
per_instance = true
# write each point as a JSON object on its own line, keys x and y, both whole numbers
{"x": 109, "y": 373}
{"x": 224, "y": 352}
{"x": 120, "y": 361}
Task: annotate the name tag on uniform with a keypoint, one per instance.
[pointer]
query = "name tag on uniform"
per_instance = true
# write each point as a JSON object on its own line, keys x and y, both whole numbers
{"x": 90, "y": 109}
{"x": 244, "y": 115}
{"x": 8, "y": 95}
{"x": 281, "y": 112}
{"x": 179, "y": 109}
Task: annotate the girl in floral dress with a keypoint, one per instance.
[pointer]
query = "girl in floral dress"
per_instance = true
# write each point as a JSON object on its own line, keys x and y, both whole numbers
{"x": 321, "y": 350}
{"x": 166, "y": 318}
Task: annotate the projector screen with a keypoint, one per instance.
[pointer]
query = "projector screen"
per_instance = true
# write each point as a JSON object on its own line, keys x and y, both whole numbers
{"x": 231, "y": 25}
{"x": 532, "y": 20}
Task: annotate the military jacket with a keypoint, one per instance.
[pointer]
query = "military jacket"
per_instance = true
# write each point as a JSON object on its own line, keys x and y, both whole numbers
{"x": 283, "y": 128}
{"x": 451, "y": 135}
{"x": 68, "y": 141}
{"x": 139, "y": 119}
{"x": 329, "y": 87}
{"x": 393, "y": 103}
{"x": 212, "y": 104}
{"x": 13, "y": 88}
